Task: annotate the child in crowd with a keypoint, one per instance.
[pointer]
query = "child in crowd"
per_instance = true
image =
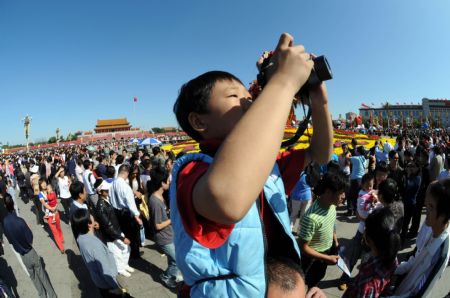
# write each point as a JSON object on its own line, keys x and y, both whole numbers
{"x": 367, "y": 199}
{"x": 52, "y": 202}
{"x": 228, "y": 206}
{"x": 384, "y": 243}
{"x": 317, "y": 235}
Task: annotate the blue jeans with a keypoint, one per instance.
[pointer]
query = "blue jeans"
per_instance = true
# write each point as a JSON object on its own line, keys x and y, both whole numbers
{"x": 172, "y": 269}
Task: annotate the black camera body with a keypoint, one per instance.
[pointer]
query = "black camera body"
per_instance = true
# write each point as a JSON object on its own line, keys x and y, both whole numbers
{"x": 321, "y": 72}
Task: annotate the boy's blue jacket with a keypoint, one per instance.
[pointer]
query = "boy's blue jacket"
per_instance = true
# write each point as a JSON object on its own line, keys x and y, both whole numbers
{"x": 242, "y": 255}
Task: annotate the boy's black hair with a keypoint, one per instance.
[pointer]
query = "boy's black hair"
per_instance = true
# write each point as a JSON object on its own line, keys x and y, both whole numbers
{"x": 110, "y": 172}
{"x": 367, "y": 177}
{"x": 157, "y": 177}
{"x": 361, "y": 151}
{"x": 194, "y": 97}
{"x": 81, "y": 220}
{"x": 333, "y": 166}
{"x": 382, "y": 167}
{"x": 380, "y": 228}
{"x": 392, "y": 154}
{"x": 86, "y": 164}
{"x": 408, "y": 153}
{"x": 146, "y": 163}
{"x": 440, "y": 191}
{"x": 389, "y": 191}
{"x": 335, "y": 182}
{"x": 156, "y": 150}
{"x": 76, "y": 189}
{"x": 119, "y": 159}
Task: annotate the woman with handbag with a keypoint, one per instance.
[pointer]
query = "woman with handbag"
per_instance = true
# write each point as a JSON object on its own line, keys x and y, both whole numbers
{"x": 138, "y": 191}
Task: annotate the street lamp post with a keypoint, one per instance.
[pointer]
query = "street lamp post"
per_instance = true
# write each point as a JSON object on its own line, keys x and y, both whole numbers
{"x": 26, "y": 126}
{"x": 57, "y": 135}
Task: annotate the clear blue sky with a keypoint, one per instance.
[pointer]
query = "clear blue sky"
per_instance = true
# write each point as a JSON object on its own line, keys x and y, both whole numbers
{"x": 69, "y": 63}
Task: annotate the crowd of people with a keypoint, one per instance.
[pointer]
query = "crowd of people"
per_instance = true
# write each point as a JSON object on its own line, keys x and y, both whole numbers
{"x": 243, "y": 223}
{"x": 113, "y": 201}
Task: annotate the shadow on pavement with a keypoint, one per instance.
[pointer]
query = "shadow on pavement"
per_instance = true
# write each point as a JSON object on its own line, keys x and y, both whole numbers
{"x": 7, "y": 275}
{"x": 76, "y": 264}
{"x": 328, "y": 284}
{"x": 146, "y": 267}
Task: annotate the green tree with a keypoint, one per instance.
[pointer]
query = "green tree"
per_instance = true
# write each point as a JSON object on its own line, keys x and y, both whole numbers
{"x": 157, "y": 130}
{"x": 52, "y": 140}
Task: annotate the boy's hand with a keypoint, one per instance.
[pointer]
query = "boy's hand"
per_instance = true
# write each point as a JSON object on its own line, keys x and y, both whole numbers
{"x": 332, "y": 260}
{"x": 292, "y": 64}
{"x": 315, "y": 293}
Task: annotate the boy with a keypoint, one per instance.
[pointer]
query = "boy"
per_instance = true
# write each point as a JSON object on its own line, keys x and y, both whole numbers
{"x": 224, "y": 224}
{"x": 158, "y": 184}
{"x": 317, "y": 234}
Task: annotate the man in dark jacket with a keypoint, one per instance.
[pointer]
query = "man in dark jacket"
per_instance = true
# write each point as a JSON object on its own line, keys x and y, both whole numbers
{"x": 21, "y": 238}
{"x": 116, "y": 241}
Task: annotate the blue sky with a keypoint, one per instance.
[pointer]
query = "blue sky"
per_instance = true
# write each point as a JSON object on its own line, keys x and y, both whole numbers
{"x": 69, "y": 63}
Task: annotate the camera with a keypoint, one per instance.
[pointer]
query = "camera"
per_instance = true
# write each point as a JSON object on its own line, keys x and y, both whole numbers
{"x": 321, "y": 72}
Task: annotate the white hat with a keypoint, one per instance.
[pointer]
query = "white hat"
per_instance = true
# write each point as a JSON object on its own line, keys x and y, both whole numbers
{"x": 34, "y": 169}
{"x": 104, "y": 186}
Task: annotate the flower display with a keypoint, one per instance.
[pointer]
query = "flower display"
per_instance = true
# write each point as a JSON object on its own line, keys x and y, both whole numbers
{"x": 340, "y": 137}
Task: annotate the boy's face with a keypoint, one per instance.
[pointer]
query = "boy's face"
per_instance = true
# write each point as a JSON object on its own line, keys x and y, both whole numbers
{"x": 368, "y": 185}
{"x": 228, "y": 102}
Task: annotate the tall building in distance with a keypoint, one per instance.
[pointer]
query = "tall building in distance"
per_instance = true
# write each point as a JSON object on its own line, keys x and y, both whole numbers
{"x": 433, "y": 111}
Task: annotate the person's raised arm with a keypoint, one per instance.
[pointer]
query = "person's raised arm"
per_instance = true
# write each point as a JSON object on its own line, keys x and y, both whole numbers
{"x": 322, "y": 139}
{"x": 244, "y": 161}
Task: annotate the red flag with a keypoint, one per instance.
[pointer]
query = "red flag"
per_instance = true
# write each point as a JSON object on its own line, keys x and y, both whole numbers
{"x": 135, "y": 99}
{"x": 365, "y": 106}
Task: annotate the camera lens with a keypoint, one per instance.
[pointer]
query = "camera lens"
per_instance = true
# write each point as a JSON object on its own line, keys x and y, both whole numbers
{"x": 322, "y": 69}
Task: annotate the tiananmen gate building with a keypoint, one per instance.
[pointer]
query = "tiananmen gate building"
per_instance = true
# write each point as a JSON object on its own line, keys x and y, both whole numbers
{"x": 112, "y": 125}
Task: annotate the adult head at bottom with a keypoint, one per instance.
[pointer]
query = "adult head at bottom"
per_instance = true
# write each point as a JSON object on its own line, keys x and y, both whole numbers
{"x": 286, "y": 279}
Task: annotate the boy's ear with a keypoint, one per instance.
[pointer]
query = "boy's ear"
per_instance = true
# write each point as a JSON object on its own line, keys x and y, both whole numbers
{"x": 196, "y": 121}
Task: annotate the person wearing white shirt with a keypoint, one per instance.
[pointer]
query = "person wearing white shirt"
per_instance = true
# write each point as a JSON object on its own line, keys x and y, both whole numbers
{"x": 119, "y": 162}
{"x": 122, "y": 199}
{"x": 429, "y": 242}
{"x": 89, "y": 181}
{"x": 64, "y": 193}
{"x": 79, "y": 170}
